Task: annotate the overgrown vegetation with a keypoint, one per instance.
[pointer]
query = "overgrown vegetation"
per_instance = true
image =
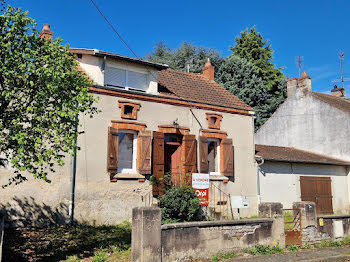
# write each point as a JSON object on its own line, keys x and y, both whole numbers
{"x": 72, "y": 243}
{"x": 219, "y": 257}
{"x": 264, "y": 250}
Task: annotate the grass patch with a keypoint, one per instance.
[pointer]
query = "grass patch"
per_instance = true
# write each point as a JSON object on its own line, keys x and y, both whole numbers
{"x": 63, "y": 242}
{"x": 293, "y": 248}
{"x": 219, "y": 257}
{"x": 288, "y": 217}
{"x": 264, "y": 250}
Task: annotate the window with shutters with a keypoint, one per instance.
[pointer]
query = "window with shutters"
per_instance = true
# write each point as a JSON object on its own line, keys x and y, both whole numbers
{"x": 126, "y": 79}
{"x": 127, "y": 147}
{"x": 213, "y": 156}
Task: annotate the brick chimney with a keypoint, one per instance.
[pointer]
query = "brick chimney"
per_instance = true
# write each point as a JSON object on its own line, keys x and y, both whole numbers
{"x": 301, "y": 84}
{"x": 208, "y": 70}
{"x": 338, "y": 91}
{"x": 46, "y": 32}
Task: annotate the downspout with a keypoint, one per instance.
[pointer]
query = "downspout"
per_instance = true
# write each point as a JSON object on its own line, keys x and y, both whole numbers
{"x": 199, "y": 133}
{"x": 73, "y": 175}
{"x": 258, "y": 177}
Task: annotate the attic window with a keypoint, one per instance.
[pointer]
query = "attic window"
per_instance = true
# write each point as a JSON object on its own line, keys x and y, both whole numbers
{"x": 129, "y": 109}
{"x": 130, "y": 80}
{"x": 214, "y": 120}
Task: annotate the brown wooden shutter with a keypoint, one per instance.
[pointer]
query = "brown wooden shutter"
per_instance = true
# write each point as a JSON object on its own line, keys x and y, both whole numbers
{"x": 144, "y": 152}
{"x": 112, "y": 157}
{"x": 203, "y": 154}
{"x": 189, "y": 158}
{"x": 227, "y": 157}
{"x": 158, "y": 162}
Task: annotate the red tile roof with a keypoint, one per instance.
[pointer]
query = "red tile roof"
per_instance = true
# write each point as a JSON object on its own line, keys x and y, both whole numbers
{"x": 291, "y": 154}
{"x": 196, "y": 87}
{"x": 340, "y": 103}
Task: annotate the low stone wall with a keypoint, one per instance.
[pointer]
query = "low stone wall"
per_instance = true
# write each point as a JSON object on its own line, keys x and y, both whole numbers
{"x": 176, "y": 242}
{"x": 204, "y": 239}
{"x": 337, "y": 227}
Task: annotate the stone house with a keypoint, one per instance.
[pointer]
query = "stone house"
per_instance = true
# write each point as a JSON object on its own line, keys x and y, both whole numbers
{"x": 153, "y": 121}
{"x": 310, "y": 132}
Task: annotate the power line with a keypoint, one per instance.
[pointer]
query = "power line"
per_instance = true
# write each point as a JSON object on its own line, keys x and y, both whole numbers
{"x": 114, "y": 30}
{"x": 119, "y": 36}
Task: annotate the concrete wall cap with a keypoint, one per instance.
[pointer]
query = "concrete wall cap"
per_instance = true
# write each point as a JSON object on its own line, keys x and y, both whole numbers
{"x": 216, "y": 223}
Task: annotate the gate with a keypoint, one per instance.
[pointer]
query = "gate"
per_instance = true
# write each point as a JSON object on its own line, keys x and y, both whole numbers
{"x": 292, "y": 226}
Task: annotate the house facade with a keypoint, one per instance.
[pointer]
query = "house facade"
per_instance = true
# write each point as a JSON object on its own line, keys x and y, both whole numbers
{"x": 153, "y": 121}
{"x": 312, "y": 128}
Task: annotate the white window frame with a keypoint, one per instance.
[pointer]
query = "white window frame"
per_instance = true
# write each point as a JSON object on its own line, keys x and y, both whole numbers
{"x": 218, "y": 153}
{"x": 134, "y": 153}
{"x": 126, "y": 87}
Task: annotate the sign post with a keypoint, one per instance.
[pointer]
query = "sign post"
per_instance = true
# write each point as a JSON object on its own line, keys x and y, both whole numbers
{"x": 200, "y": 183}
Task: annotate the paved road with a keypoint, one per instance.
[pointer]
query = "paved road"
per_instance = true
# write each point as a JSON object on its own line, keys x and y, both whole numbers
{"x": 338, "y": 254}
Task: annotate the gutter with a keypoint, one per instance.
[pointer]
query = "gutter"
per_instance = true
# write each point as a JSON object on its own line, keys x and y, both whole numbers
{"x": 262, "y": 161}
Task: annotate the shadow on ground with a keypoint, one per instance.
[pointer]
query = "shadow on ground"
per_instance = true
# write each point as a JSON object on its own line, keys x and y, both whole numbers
{"x": 52, "y": 241}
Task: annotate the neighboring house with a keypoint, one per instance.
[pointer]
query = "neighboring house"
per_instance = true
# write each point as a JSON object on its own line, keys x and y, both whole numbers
{"x": 153, "y": 121}
{"x": 291, "y": 175}
{"x": 317, "y": 123}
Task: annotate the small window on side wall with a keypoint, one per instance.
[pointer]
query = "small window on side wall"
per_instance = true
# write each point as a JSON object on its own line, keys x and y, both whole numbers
{"x": 214, "y": 120}
{"x": 129, "y": 109}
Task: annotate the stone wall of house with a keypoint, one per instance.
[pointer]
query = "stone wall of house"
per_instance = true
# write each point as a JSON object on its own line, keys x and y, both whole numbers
{"x": 99, "y": 201}
{"x": 305, "y": 122}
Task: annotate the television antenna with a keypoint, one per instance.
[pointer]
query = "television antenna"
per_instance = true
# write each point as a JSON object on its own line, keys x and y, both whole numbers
{"x": 299, "y": 60}
{"x": 342, "y": 79}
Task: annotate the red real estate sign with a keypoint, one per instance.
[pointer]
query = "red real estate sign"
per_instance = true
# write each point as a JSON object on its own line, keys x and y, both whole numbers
{"x": 200, "y": 183}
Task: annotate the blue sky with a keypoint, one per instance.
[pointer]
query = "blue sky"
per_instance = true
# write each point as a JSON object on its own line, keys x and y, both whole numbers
{"x": 316, "y": 30}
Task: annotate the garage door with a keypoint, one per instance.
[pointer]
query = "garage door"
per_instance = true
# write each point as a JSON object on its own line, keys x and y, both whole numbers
{"x": 318, "y": 190}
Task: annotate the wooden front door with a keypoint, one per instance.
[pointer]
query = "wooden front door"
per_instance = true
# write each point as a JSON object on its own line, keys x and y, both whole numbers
{"x": 318, "y": 190}
{"x": 173, "y": 161}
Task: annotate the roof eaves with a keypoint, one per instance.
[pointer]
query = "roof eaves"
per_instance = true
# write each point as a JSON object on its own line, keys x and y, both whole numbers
{"x": 170, "y": 97}
{"x": 306, "y": 161}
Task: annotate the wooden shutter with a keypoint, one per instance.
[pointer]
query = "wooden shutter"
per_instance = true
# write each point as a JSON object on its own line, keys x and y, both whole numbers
{"x": 144, "y": 152}
{"x": 226, "y": 157}
{"x": 189, "y": 158}
{"x": 203, "y": 154}
{"x": 158, "y": 162}
{"x": 112, "y": 157}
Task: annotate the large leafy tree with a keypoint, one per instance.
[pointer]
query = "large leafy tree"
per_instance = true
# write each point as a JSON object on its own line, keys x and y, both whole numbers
{"x": 186, "y": 57}
{"x": 251, "y": 46}
{"x": 240, "y": 77}
{"x": 41, "y": 93}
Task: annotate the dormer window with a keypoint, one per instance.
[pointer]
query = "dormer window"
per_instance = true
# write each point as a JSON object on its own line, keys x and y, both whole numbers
{"x": 129, "y": 109}
{"x": 126, "y": 79}
{"x": 214, "y": 120}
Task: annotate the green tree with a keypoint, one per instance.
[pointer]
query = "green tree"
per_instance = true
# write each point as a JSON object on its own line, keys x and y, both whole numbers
{"x": 187, "y": 56}
{"x": 251, "y": 46}
{"x": 41, "y": 93}
{"x": 240, "y": 77}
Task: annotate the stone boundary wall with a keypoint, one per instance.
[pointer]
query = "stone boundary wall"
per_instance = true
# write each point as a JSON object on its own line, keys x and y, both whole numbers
{"x": 154, "y": 242}
{"x": 205, "y": 239}
{"x": 336, "y": 227}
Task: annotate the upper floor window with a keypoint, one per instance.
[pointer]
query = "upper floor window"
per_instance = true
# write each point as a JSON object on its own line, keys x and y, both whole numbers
{"x": 214, "y": 120}
{"x": 129, "y": 80}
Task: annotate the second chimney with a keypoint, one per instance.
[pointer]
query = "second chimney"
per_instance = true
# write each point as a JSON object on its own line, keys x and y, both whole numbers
{"x": 46, "y": 32}
{"x": 338, "y": 91}
{"x": 208, "y": 70}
